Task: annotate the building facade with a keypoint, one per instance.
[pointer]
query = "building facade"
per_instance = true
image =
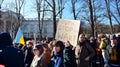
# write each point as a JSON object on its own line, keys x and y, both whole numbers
{"x": 30, "y": 27}
{"x": 9, "y": 21}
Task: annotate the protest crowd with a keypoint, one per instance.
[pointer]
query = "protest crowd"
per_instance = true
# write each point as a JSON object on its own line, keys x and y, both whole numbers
{"x": 101, "y": 51}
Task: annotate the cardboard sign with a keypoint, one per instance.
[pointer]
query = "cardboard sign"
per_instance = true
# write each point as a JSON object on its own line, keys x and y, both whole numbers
{"x": 67, "y": 30}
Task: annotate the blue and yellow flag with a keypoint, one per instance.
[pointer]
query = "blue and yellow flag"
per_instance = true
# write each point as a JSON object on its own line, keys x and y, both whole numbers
{"x": 19, "y": 37}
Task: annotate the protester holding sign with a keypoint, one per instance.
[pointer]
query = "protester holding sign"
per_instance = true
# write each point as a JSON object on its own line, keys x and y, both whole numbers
{"x": 69, "y": 55}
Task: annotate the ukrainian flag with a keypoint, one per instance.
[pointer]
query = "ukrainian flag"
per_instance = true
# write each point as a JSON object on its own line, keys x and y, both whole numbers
{"x": 19, "y": 37}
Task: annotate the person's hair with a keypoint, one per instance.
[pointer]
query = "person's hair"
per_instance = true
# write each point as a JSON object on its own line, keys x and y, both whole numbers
{"x": 52, "y": 44}
{"x": 29, "y": 42}
{"x": 60, "y": 44}
{"x": 103, "y": 36}
{"x": 82, "y": 34}
{"x": 40, "y": 48}
{"x": 45, "y": 45}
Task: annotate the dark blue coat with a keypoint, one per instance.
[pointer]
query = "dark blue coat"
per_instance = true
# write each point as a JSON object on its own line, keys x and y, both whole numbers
{"x": 58, "y": 59}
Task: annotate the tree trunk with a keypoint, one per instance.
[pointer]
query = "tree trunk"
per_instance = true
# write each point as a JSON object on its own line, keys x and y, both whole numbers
{"x": 73, "y": 9}
{"x": 109, "y": 15}
{"x": 39, "y": 26}
{"x": 54, "y": 18}
{"x": 91, "y": 17}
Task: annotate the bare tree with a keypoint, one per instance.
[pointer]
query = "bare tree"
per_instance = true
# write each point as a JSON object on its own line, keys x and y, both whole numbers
{"x": 43, "y": 14}
{"x": 116, "y": 28}
{"x": 39, "y": 5}
{"x": 75, "y": 11}
{"x": 98, "y": 16}
{"x": 102, "y": 28}
{"x": 18, "y": 7}
{"x": 61, "y": 4}
{"x": 91, "y": 16}
{"x": 107, "y": 2}
{"x": 116, "y": 10}
{"x": 55, "y": 13}
{"x": 91, "y": 12}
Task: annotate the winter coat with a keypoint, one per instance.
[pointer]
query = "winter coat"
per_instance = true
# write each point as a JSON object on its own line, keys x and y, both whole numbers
{"x": 82, "y": 52}
{"x": 114, "y": 54}
{"x": 39, "y": 62}
{"x": 56, "y": 60}
{"x": 12, "y": 57}
{"x": 9, "y": 55}
{"x": 103, "y": 44}
{"x": 28, "y": 55}
{"x": 69, "y": 57}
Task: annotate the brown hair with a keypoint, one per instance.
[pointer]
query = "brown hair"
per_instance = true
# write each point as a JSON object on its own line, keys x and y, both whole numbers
{"x": 40, "y": 48}
{"x": 60, "y": 44}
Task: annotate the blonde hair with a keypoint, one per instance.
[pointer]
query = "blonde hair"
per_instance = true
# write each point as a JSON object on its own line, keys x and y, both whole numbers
{"x": 29, "y": 42}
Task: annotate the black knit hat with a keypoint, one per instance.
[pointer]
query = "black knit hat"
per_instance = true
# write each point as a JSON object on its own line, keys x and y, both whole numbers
{"x": 5, "y": 39}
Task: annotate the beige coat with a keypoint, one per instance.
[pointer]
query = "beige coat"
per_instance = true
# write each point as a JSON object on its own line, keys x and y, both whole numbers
{"x": 39, "y": 62}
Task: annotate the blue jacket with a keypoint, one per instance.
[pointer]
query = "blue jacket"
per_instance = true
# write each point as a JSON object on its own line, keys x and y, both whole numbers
{"x": 58, "y": 59}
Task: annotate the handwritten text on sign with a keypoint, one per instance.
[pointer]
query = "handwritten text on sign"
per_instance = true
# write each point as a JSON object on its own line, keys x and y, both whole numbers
{"x": 67, "y": 30}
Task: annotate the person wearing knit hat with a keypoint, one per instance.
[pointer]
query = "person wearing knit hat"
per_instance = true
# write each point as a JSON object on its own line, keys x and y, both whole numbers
{"x": 5, "y": 39}
{"x": 9, "y": 55}
{"x": 114, "y": 52}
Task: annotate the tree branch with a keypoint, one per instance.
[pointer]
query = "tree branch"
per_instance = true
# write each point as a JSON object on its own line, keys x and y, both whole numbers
{"x": 115, "y": 18}
{"x": 16, "y": 6}
{"x": 60, "y": 11}
{"x": 49, "y": 4}
{"x": 45, "y": 10}
{"x": 21, "y": 4}
{"x": 78, "y": 13}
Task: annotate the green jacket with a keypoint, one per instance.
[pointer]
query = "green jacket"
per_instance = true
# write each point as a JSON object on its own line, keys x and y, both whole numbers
{"x": 69, "y": 57}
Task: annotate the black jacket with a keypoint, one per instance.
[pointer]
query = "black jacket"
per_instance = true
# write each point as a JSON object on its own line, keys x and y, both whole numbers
{"x": 9, "y": 55}
{"x": 69, "y": 57}
{"x": 29, "y": 56}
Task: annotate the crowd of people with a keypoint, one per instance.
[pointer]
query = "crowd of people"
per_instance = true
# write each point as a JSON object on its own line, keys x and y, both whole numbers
{"x": 103, "y": 51}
